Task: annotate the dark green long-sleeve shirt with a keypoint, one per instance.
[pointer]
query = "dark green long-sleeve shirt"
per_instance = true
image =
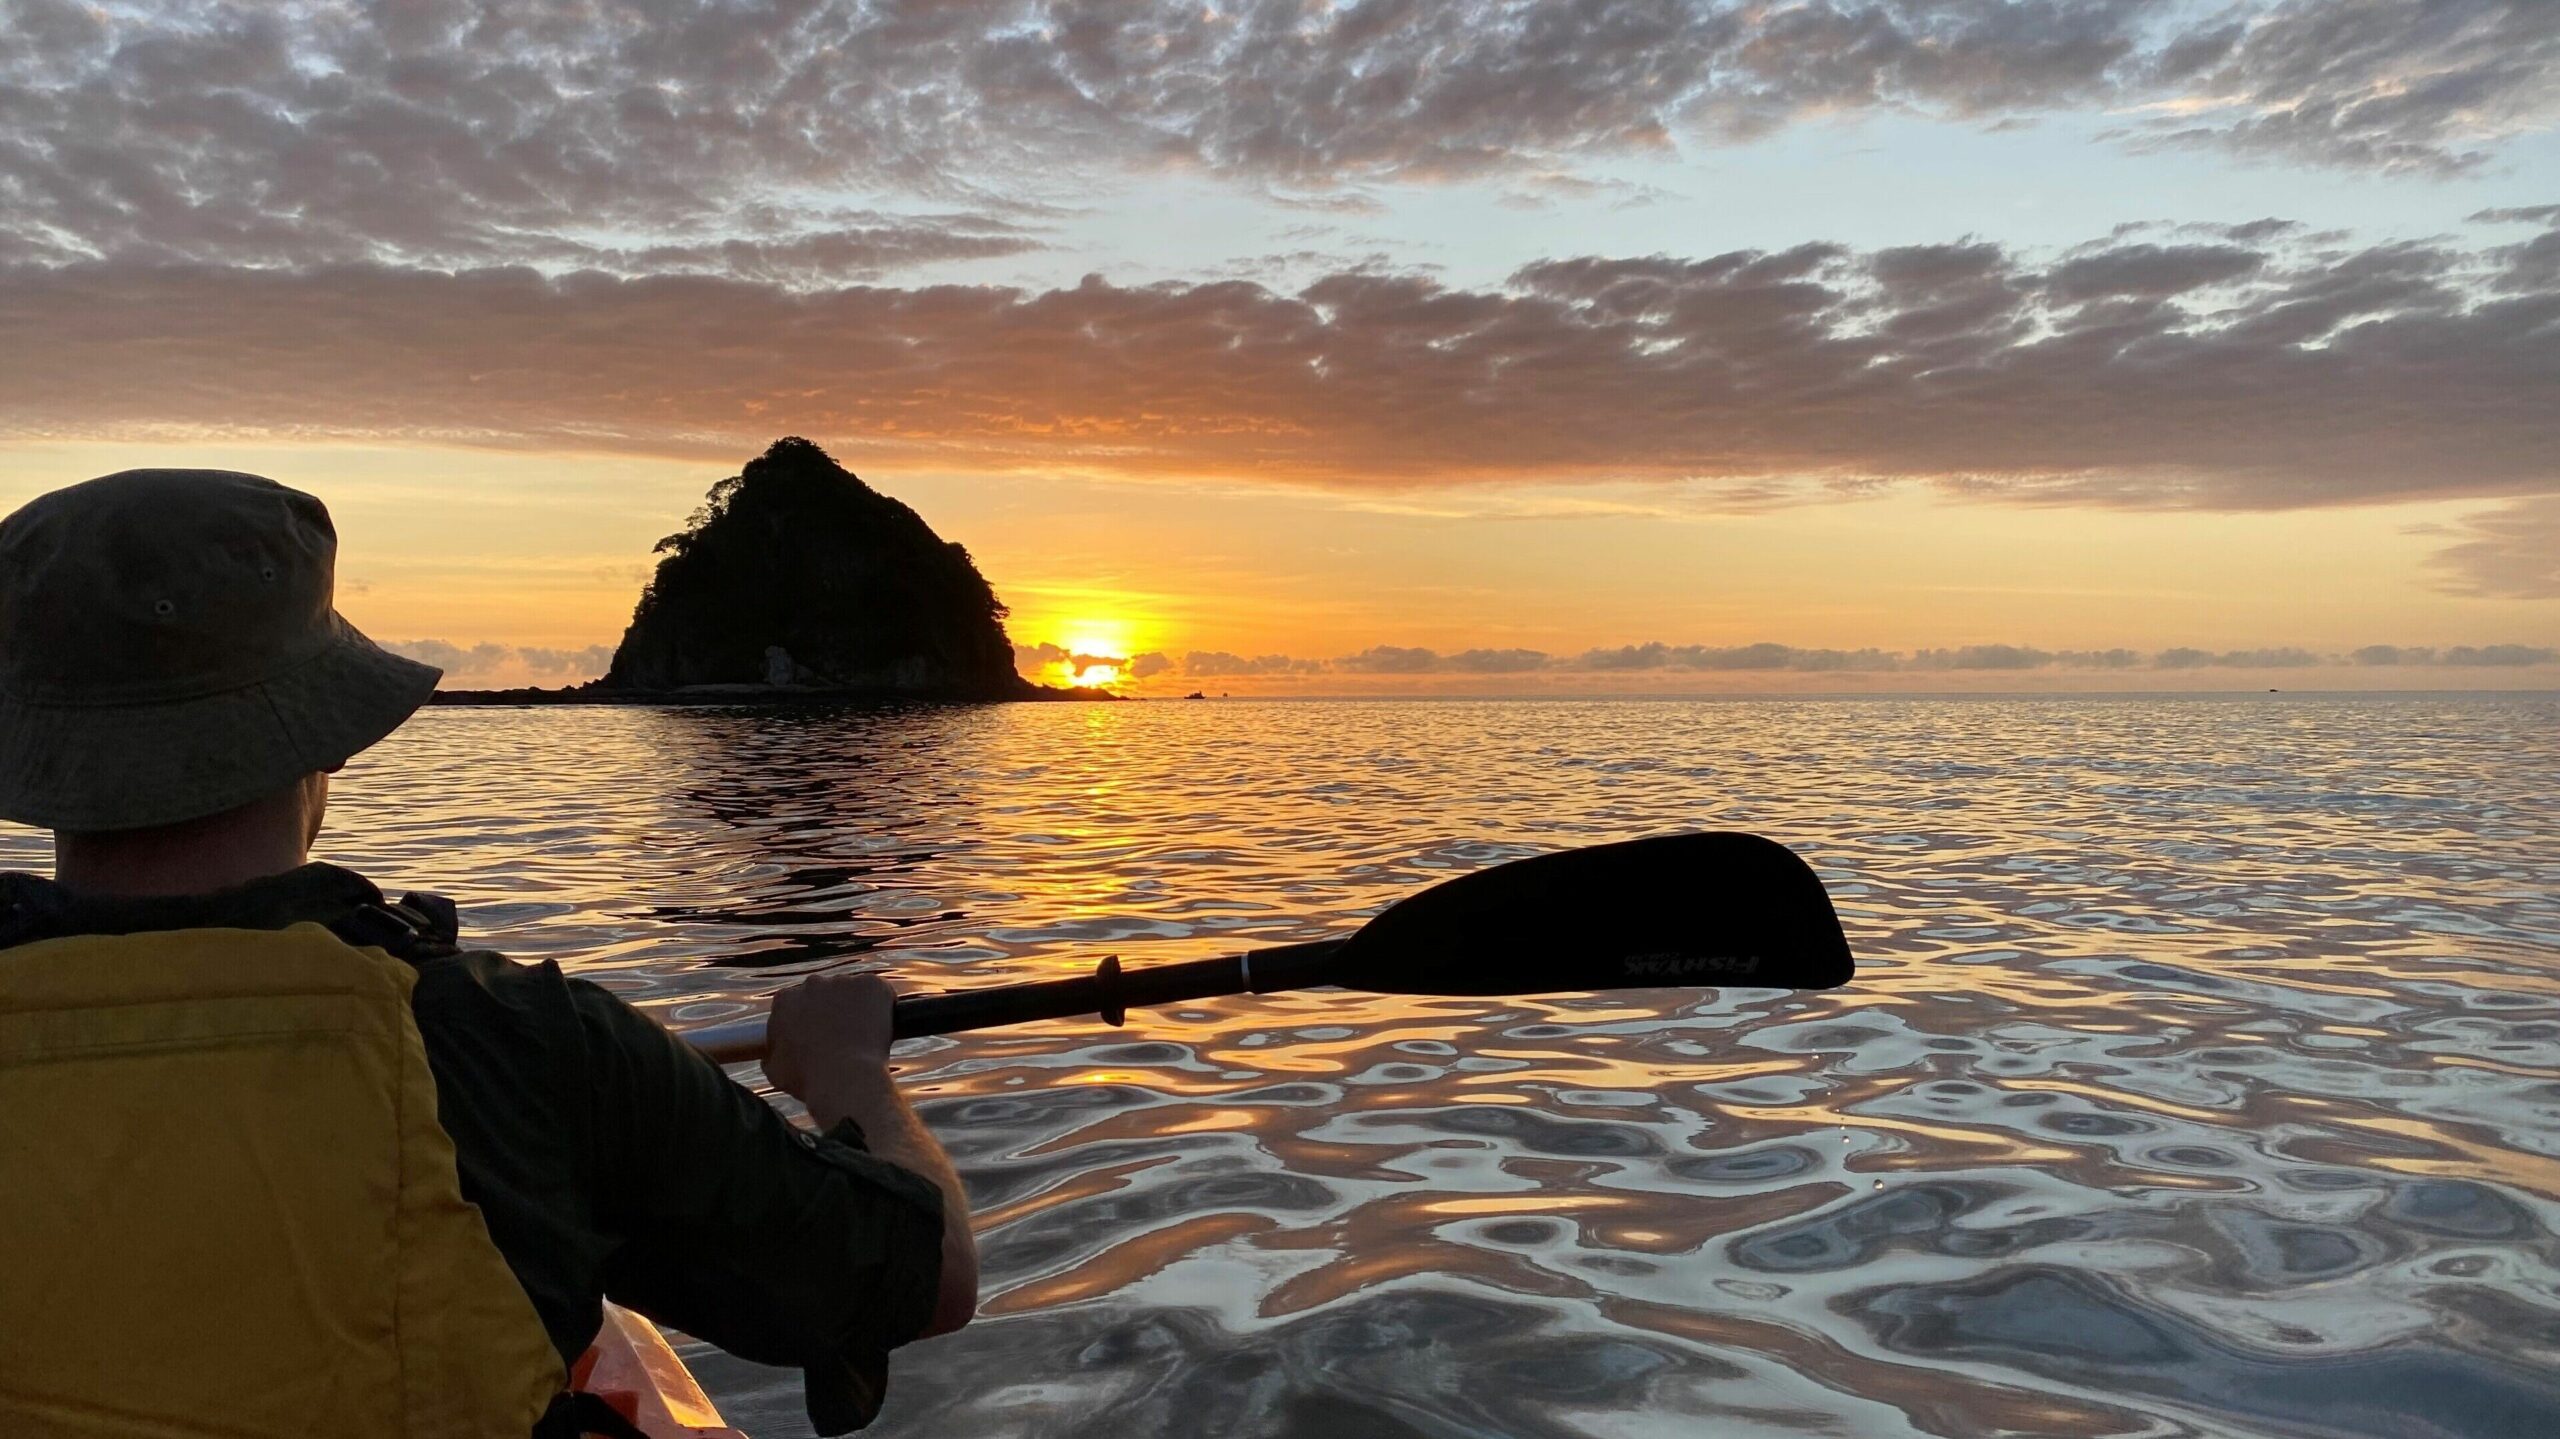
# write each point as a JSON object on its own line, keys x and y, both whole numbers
{"x": 610, "y": 1160}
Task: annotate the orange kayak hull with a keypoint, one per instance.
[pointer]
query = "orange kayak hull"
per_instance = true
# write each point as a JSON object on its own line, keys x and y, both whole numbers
{"x": 631, "y": 1367}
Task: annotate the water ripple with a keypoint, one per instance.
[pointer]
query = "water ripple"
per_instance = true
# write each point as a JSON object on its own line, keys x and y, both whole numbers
{"x": 2203, "y": 1075}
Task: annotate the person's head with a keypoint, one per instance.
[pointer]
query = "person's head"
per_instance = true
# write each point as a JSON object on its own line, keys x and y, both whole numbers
{"x": 175, "y": 683}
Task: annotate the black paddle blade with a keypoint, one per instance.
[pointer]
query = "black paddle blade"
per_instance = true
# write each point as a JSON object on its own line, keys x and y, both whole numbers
{"x": 1682, "y": 910}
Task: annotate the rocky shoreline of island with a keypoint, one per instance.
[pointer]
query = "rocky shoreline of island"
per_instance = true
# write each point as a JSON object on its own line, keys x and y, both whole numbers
{"x": 758, "y": 696}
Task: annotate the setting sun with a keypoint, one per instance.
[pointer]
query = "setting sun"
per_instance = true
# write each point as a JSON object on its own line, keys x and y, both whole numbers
{"x": 1088, "y": 637}
{"x": 1087, "y": 653}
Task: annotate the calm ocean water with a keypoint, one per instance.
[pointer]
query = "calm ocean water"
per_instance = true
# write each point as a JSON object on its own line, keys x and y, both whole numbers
{"x": 2202, "y": 1076}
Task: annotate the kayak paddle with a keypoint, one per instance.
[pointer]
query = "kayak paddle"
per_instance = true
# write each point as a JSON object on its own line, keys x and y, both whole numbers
{"x": 1675, "y": 911}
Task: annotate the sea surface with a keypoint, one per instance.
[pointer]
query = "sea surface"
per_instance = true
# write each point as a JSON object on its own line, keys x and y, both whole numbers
{"x": 2201, "y": 1077}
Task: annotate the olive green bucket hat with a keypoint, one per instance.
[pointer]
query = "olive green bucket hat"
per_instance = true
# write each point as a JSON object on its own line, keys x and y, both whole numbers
{"x": 169, "y": 650}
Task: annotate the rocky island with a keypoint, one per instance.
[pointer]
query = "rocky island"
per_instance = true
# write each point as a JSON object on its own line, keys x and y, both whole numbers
{"x": 797, "y": 581}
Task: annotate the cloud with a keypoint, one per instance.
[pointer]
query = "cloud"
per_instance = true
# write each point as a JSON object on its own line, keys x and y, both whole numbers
{"x": 456, "y": 661}
{"x": 2114, "y": 659}
{"x": 2151, "y": 271}
{"x": 1031, "y": 659}
{"x": 808, "y": 258}
{"x": 2021, "y": 657}
{"x": 592, "y": 660}
{"x": 1148, "y": 666}
{"x": 1402, "y": 661}
{"x": 1496, "y": 662}
{"x": 1983, "y": 657}
{"x": 2370, "y": 84}
{"x": 2500, "y": 656}
{"x": 691, "y": 136}
{"x": 2510, "y": 553}
{"x": 2462, "y": 656}
{"x": 1213, "y": 664}
{"x": 1389, "y": 660}
{"x": 725, "y": 134}
{"x": 2127, "y": 374}
{"x": 1656, "y": 656}
{"x": 2287, "y": 658}
{"x": 488, "y": 657}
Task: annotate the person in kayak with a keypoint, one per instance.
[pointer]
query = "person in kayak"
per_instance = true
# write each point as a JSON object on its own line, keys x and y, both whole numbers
{"x": 279, "y": 1155}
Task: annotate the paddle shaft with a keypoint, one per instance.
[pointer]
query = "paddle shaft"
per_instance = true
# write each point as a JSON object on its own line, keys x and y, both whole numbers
{"x": 1685, "y": 909}
{"x": 1109, "y": 991}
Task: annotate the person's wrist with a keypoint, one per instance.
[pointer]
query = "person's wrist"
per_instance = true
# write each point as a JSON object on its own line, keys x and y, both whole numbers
{"x": 846, "y": 1090}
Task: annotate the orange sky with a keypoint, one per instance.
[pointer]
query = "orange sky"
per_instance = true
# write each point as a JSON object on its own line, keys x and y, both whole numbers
{"x": 548, "y": 551}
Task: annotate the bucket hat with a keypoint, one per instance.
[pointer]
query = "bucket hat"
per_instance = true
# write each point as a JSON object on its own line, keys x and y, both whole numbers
{"x": 169, "y": 649}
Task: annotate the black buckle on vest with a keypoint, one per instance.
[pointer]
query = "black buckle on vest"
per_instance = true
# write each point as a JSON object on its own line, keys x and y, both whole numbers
{"x": 420, "y": 926}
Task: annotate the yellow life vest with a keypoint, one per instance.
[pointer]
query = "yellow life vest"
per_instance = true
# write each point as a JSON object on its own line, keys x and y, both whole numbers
{"x": 226, "y": 1207}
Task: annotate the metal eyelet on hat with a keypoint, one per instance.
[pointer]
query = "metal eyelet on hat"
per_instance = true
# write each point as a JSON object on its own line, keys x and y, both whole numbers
{"x": 164, "y": 607}
{"x": 267, "y": 573}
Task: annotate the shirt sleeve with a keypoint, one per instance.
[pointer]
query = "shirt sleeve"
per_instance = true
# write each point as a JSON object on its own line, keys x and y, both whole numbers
{"x": 779, "y": 1245}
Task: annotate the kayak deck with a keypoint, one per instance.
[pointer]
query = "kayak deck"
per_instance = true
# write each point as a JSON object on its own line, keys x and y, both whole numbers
{"x": 631, "y": 1367}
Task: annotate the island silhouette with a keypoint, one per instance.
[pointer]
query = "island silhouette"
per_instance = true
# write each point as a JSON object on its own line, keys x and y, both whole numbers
{"x": 796, "y": 581}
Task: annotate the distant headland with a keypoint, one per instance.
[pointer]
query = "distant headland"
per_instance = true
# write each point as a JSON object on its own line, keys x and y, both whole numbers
{"x": 795, "y": 582}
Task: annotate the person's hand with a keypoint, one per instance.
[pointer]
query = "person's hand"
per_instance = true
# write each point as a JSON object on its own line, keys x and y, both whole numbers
{"x": 828, "y": 1041}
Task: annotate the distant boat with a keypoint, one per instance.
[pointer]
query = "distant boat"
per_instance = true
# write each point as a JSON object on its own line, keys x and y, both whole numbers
{"x": 1195, "y": 695}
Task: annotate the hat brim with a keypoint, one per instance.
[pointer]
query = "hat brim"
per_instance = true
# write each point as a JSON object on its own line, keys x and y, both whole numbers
{"x": 86, "y": 768}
